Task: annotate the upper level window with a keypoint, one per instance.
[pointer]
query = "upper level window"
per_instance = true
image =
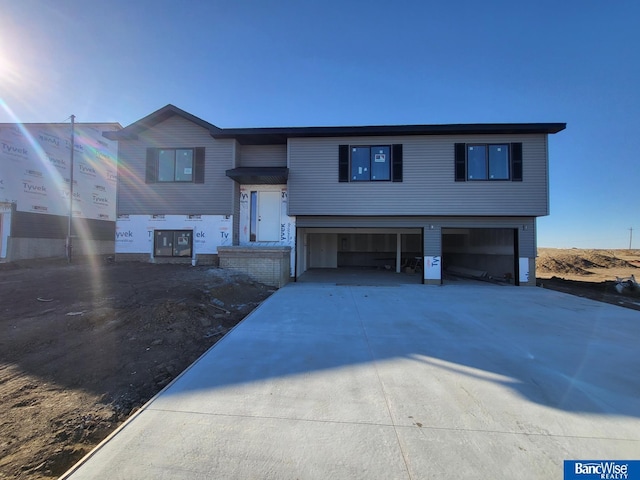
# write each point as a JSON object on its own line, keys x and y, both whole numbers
{"x": 175, "y": 165}
{"x": 171, "y": 165}
{"x": 488, "y": 161}
{"x": 370, "y": 163}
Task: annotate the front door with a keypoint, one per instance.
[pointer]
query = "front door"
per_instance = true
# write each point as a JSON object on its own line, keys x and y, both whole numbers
{"x": 268, "y": 217}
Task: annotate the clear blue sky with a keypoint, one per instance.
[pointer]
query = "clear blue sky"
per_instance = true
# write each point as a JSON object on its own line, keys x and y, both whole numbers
{"x": 263, "y": 63}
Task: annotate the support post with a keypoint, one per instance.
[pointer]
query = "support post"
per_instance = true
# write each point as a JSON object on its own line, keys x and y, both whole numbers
{"x": 398, "y": 252}
{"x": 73, "y": 142}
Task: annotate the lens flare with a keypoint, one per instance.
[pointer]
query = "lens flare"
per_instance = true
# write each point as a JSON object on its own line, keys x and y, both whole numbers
{"x": 84, "y": 150}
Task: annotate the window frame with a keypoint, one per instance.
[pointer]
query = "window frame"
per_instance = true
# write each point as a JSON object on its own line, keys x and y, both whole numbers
{"x": 388, "y": 161}
{"x": 175, "y": 164}
{"x": 162, "y": 250}
{"x": 197, "y": 165}
{"x": 344, "y": 163}
{"x": 487, "y": 162}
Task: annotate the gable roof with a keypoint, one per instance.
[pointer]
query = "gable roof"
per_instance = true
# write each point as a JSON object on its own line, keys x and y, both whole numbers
{"x": 131, "y": 132}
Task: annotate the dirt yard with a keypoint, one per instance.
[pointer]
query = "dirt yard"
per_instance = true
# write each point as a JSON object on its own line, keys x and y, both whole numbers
{"x": 83, "y": 346}
{"x": 590, "y": 273}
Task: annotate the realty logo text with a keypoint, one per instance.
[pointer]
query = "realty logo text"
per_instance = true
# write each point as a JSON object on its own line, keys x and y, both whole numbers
{"x": 607, "y": 470}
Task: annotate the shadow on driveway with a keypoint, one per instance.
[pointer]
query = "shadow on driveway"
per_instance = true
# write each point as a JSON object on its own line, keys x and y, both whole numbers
{"x": 554, "y": 350}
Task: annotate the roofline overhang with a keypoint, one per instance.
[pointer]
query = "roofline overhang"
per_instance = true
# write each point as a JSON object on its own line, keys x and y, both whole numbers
{"x": 280, "y": 135}
{"x": 274, "y": 136}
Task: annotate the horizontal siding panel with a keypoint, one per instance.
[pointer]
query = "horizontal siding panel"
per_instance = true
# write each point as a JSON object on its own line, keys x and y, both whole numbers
{"x": 432, "y": 242}
{"x": 213, "y": 197}
{"x": 263, "y": 156}
{"x": 361, "y": 222}
{"x": 428, "y": 187}
{"x": 413, "y": 222}
{"x": 527, "y": 239}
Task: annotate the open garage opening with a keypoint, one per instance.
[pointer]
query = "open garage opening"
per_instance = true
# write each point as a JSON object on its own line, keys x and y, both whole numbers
{"x": 367, "y": 254}
{"x": 486, "y": 254}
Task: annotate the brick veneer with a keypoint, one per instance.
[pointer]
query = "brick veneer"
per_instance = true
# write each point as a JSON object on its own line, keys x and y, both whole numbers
{"x": 268, "y": 265}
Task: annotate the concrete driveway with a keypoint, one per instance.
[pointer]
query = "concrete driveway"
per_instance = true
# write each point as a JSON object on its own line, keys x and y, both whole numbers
{"x": 395, "y": 382}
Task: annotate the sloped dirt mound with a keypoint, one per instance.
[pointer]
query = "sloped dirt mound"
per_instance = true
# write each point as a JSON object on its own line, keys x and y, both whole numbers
{"x": 581, "y": 262}
{"x": 590, "y": 273}
{"x": 604, "y": 259}
{"x": 572, "y": 264}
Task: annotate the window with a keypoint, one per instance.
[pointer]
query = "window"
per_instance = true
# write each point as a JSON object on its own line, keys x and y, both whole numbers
{"x": 488, "y": 162}
{"x": 175, "y": 165}
{"x": 173, "y": 243}
{"x": 370, "y": 163}
{"x": 477, "y": 162}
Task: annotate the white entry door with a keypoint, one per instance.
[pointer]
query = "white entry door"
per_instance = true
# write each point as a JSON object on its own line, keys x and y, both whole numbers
{"x": 268, "y": 217}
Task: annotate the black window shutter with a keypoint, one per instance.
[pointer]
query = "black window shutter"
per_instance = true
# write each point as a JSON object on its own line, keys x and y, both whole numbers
{"x": 151, "y": 174}
{"x": 199, "y": 166}
{"x": 516, "y": 162}
{"x": 396, "y": 156}
{"x": 460, "y": 162}
{"x": 343, "y": 163}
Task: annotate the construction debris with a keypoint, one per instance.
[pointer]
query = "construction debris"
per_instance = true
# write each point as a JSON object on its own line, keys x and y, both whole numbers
{"x": 627, "y": 284}
{"x": 467, "y": 272}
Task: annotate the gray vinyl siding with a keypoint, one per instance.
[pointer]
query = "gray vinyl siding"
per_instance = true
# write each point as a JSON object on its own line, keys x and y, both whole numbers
{"x": 432, "y": 236}
{"x": 213, "y": 197}
{"x": 361, "y": 222}
{"x": 263, "y": 156}
{"x": 432, "y": 241}
{"x": 428, "y": 186}
{"x": 236, "y": 154}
